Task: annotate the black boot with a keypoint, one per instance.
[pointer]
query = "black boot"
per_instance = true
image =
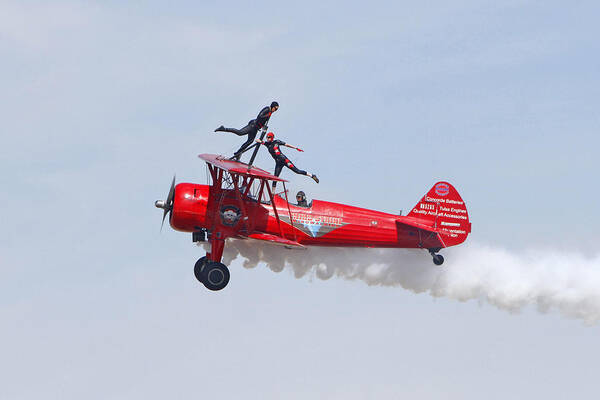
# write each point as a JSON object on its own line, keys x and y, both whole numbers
{"x": 315, "y": 178}
{"x": 220, "y": 129}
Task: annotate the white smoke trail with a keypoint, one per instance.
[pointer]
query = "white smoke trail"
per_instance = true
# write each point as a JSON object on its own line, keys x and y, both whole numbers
{"x": 569, "y": 283}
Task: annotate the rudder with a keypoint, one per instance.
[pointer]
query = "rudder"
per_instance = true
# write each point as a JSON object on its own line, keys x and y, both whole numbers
{"x": 444, "y": 209}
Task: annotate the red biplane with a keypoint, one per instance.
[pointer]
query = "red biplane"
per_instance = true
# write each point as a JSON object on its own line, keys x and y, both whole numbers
{"x": 239, "y": 203}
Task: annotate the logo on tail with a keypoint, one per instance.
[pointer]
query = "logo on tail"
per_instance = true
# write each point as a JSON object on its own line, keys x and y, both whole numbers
{"x": 442, "y": 189}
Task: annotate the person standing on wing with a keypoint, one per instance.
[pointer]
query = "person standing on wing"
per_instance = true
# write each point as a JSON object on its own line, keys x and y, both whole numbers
{"x": 280, "y": 159}
{"x": 252, "y": 128}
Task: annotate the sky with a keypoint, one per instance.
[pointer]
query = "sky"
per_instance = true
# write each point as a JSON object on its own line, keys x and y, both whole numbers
{"x": 103, "y": 102}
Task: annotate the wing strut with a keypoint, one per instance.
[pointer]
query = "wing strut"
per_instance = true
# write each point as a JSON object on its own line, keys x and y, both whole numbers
{"x": 238, "y": 194}
{"x": 290, "y": 212}
{"x": 274, "y": 208}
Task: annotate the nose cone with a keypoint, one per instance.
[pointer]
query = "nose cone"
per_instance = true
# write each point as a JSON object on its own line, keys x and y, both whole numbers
{"x": 160, "y": 204}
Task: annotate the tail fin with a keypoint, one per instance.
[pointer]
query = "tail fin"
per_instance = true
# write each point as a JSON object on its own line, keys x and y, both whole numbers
{"x": 444, "y": 209}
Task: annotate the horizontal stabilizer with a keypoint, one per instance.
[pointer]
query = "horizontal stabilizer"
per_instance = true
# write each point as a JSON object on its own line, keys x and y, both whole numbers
{"x": 427, "y": 236}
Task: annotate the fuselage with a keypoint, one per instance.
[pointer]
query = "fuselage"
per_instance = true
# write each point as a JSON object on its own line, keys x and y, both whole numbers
{"x": 323, "y": 223}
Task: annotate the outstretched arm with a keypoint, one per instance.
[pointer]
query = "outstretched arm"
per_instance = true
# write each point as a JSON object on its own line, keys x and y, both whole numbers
{"x": 292, "y": 147}
{"x": 259, "y": 141}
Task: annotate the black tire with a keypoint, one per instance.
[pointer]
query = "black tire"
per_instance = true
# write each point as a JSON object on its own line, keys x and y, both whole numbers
{"x": 215, "y": 276}
{"x": 438, "y": 259}
{"x": 198, "y": 267}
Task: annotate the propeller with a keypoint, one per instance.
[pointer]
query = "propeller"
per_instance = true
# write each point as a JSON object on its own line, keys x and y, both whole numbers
{"x": 166, "y": 205}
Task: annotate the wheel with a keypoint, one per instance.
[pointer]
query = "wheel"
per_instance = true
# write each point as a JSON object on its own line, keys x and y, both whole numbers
{"x": 198, "y": 269}
{"x": 215, "y": 276}
{"x": 438, "y": 259}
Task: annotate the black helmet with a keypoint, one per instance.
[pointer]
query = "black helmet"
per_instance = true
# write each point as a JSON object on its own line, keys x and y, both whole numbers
{"x": 301, "y": 194}
{"x": 274, "y": 104}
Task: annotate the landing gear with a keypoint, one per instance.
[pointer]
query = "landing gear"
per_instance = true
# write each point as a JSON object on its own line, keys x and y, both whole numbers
{"x": 213, "y": 275}
{"x": 216, "y": 276}
{"x": 198, "y": 267}
{"x": 438, "y": 259}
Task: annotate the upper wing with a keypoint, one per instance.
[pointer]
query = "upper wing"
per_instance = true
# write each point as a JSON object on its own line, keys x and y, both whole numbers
{"x": 238, "y": 167}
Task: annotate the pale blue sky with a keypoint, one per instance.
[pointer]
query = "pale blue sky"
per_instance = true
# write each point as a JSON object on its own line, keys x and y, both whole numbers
{"x": 103, "y": 102}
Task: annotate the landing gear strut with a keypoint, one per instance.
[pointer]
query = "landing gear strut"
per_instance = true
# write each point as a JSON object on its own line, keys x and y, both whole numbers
{"x": 438, "y": 259}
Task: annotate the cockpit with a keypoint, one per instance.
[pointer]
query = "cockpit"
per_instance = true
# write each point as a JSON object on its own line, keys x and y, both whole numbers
{"x": 301, "y": 200}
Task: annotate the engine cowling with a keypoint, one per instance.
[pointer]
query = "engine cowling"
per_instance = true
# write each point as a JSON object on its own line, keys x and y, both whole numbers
{"x": 189, "y": 207}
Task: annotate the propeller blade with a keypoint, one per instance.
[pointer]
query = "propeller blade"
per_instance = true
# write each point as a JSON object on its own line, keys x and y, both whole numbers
{"x": 163, "y": 218}
{"x": 171, "y": 194}
{"x": 168, "y": 204}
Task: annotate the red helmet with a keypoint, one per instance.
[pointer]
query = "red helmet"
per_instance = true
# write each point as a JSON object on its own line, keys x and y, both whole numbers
{"x": 270, "y": 136}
